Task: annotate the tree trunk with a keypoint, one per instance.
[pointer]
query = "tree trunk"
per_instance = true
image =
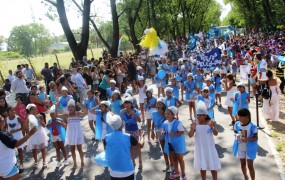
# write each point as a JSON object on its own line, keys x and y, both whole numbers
{"x": 115, "y": 39}
{"x": 78, "y": 49}
{"x": 153, "y": 15}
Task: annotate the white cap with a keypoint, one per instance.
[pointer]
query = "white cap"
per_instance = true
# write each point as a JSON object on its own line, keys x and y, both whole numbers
{"x": 113, "y": 81}
{"x": 128, "y": 99}
{"x": 190, "y": 75}
{"x": 138, "y": 68}
{"x": 114, "y": 121}
{"x": 140, "y": 78}
{"x": 201, "y": 108}
{"x": 240, "y": 84}
{"x": 173, "y": 109}
{"x": 182, "y": 67}
{"x": 29, "y": 106}
{"x": 149, "y": 90}
{"x": 71, "y": 102}
{"x": 106, "y": 103}
{"x": 64, "y": 88}
{"x": 117, "y": 91}
{"x": 217, "y": 71}
{"x": 168, "y": 89}
{"x": 161, "y": 99}
{"x": 205, "y": 88}
{"x": 52, "y": 109}
{"x": 208, "y": 78}
{"x": 163, "y": 56}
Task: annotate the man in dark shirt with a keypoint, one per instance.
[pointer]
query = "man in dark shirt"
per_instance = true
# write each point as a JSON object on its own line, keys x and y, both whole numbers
{"x": 132, "y": 72}
{"x": 46, "y": 72}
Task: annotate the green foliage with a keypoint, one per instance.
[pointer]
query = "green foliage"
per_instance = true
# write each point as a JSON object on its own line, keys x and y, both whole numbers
{"x": 261, "y": 14}
{"x": 10, "y": 55}
{"x": 28, "y": 40}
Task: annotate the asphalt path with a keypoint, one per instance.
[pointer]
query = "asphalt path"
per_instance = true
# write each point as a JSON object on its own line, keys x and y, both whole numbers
{"x": 153, "y": 162}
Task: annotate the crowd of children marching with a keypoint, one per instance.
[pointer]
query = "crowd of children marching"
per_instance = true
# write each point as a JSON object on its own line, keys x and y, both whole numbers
{"x": 183, "y": 81}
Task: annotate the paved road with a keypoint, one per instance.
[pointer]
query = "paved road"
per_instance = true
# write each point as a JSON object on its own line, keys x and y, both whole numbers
{"x": 153, "y": 163}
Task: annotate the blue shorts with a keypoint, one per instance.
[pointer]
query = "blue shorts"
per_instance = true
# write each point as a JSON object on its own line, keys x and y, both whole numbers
{"x": 13, "y": 172}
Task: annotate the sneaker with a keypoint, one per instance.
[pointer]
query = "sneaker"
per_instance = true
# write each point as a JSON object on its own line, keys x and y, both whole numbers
{"x": 66, "y": 162}
{"x": 184, "y": 177}
{"x": 58, "y": 164}
{"x": 174, "y": 175}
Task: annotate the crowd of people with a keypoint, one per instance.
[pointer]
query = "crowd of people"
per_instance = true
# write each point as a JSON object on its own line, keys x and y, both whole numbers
{"x": 104, "y": 90}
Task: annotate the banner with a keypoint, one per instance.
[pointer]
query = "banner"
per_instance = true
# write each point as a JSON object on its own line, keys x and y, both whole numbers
{"x": 209, "y": 59}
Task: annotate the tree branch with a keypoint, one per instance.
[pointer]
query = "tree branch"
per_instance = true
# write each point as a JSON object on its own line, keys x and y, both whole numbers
{"x": 122, "y": 12}
{"x": 100, "y": 35}
{"x": 78, "y": 6}
{"x": 51, "y": 2}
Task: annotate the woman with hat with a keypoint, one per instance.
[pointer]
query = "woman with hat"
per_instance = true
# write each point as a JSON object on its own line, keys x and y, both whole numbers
{"x": 63, "y": 99}
{"x": 8, "y": 170}
{"x": 112, "y": 88}
{"x": 131, "y": 117}
{"x": 74, "y": 135}
{"x": 149, "y": 106}
{"x": 158, "y": 117}
{"x": 39, "y": 140}
{"x": 118, "y": 146}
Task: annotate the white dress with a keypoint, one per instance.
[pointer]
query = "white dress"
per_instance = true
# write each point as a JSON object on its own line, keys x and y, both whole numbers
{"x": 12, "y": 125}
{"x": 142, "y": 94}
{"x": 271, "y": 106}
{"x": 230, "y": 94}
{"x": 74, "y": 134}
{"x": 38, "y": 140}
{"x": 205, "y": 154}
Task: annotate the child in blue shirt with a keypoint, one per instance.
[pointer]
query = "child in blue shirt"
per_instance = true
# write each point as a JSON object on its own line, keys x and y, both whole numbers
{"x": 240, "y": 100}
{"x": 245, "y": 144}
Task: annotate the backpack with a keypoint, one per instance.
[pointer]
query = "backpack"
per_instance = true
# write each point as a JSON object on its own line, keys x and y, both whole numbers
{"x": 266, "y": 92}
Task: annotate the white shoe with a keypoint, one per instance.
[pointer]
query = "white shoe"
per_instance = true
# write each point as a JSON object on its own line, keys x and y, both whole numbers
{"x": 58, "y": 164}
{"x": 66, "y": 162}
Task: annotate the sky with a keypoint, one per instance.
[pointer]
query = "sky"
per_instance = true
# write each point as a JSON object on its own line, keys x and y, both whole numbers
{"x": 29, "y": 11}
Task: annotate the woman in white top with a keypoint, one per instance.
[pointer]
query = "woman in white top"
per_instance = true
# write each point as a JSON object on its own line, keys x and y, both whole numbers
{"x": 39, "y": 140}
{"x": 15, "y": 125}
{"x": 230, "y": 87}
{"x": 271, "y": 106}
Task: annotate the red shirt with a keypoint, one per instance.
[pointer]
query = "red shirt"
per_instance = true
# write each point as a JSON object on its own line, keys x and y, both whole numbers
{"x": 21, "y": 111}
{"x": 54, "y": 129}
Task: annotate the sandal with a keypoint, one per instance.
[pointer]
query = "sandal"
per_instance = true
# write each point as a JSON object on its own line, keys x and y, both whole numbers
{"x": 44, "y": 165}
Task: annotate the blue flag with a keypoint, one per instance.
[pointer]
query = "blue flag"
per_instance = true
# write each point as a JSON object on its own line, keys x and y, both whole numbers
{"x": 209, "y": 59}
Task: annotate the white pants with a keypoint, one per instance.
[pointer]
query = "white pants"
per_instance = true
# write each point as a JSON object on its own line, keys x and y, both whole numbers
{"x": 271, "y": 109}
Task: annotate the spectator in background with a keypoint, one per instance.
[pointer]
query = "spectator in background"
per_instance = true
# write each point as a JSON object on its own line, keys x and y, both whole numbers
{"x": 19, "y": 68}
{"x": 7, "y": 85}
{"x": 81, "y": 84}
{"x": 46, "y": 72}
{"x": 280, "y": 74}
{"x": 132, "y": 72}
{"x": 55, "y": 71}
{"x": 10, "y": 76}
{"x": 28, "y": 73}
{"x": 19, "y": 87}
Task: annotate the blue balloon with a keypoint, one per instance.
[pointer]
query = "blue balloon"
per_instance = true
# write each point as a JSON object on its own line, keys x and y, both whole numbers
{"x": 161, "y": 74}
{"x": 101, "y": 160}
{"x": 177, "y": 78}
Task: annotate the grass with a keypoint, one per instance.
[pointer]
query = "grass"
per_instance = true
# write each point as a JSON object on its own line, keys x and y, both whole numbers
{"x": 280, "y": 146}
{"x": 38, "y": 62}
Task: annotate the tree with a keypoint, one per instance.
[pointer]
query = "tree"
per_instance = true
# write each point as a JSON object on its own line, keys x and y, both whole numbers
{"x": 31, "y": 39}
{"x": 79, "y": 49}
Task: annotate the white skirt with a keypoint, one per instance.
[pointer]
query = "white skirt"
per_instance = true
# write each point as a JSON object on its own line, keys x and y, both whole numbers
{"x": 148, "y": 113}
{"x": 39, "y": 140}
{"x": 205, "y": 154}
{"x": 74, "y": 134}
{"x": 19, "y": 135}
{"x": 230, "y": 94}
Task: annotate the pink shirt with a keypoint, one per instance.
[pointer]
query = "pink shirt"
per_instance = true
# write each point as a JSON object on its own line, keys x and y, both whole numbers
{"x": 21, "y": 111}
